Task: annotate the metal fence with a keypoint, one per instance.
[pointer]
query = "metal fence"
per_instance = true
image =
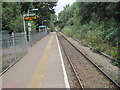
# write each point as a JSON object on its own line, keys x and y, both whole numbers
{"x": 15, "y": 46}
{"x": 33, "y": 38}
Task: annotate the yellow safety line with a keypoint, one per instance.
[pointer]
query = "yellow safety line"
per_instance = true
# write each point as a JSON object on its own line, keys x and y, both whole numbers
{"x": 38, "y": 76}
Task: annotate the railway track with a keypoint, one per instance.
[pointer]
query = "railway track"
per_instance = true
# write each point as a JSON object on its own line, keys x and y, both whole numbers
{"x": 88, "y": 74}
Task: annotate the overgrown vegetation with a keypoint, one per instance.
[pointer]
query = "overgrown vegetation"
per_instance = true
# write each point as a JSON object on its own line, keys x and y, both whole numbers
{"x": 96, "y": 24}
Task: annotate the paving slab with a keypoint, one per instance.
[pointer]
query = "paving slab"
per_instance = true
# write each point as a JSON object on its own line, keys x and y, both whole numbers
{"x": 54, "y": 71}
{"x": 42, "y": 66}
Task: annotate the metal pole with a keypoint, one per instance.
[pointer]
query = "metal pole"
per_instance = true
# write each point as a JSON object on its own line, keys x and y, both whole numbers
{"x": 39, "y": 29}
{"x": 42, "y": 22}
{"x": 29, "y": 29}
{"x": 25, "y": 31}
{"x": 28, "y": 12}
{"x": 24, "y": 26}
{"x": 14, "y": 49}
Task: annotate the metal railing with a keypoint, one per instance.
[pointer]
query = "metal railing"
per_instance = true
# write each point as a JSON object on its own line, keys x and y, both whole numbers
{"x": 15, "y": 46}
{"x": 33, "y": 38}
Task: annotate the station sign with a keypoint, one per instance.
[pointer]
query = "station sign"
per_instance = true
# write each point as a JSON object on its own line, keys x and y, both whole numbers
{"x": 30, "y": 18}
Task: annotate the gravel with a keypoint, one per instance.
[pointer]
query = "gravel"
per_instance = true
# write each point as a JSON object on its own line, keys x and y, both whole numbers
{"x": 71, "y": 76}
{"x": 100, "y": 60}
{"x": 88, "y": 74}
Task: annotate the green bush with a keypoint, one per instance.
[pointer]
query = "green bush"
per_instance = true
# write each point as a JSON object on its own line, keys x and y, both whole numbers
{"x": 90, "y": 34}
{"x": 117, "y": 61}
{"x": 5, "y": 67}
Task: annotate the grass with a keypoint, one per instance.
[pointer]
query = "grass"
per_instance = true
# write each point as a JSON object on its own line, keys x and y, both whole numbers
{"x": 117, "y": 62}
{"x": 4, "y": 67}
{"x": 92, "y": 38}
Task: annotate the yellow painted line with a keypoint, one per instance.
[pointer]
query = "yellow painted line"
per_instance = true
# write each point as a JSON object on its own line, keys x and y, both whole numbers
{"x": 38, "y": 76}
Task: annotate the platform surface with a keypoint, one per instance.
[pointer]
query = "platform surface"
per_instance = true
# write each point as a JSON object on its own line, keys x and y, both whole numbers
{"x": 42, "y": 67}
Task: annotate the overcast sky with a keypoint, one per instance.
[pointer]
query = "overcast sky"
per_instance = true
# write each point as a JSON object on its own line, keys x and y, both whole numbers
{"x": 62, "y": 3}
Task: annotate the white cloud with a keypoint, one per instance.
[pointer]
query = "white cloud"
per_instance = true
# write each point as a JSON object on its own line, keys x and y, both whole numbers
{"x": 61, "y": 4}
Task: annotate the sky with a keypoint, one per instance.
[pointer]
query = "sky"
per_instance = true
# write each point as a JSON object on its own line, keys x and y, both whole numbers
{"x": 62, "y": 3}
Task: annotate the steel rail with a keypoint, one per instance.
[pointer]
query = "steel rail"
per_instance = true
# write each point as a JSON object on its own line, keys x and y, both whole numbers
{"x": 75, "y": 72}
{"x": 91, "y": 62}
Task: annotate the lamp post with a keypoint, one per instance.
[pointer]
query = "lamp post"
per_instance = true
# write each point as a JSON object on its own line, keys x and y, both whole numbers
{"x": 28, "y": 15}
{"x": 24, "y": 26}
{"x": 35, "y": 9}
{"x": 24, "y": 21}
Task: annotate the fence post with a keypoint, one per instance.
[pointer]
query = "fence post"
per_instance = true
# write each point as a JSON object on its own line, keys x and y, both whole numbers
{"x": 8, "y": 41}
{"x": 29, "y": 29}
{"x": 14, "y": 50}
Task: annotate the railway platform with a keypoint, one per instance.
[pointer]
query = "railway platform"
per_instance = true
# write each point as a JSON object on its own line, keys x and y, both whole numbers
{"x": 42, "y": 67}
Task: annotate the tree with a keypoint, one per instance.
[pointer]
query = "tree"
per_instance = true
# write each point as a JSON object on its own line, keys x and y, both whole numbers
{"x": 13, "y": 11}
{"x": 90, "y": 17}
{"x": 10, "y": 11}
